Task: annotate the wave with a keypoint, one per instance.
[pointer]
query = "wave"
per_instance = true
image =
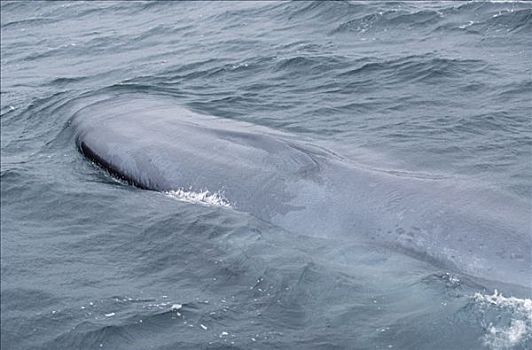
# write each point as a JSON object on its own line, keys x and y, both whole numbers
{"x": 320, "y": 10}
{"x": 28, "y": 22}
{"x": 512, "y": 20}
{"x": 309, "y": 64}
{"x": 389, "y": 20}
{"x": 424, "y": 68}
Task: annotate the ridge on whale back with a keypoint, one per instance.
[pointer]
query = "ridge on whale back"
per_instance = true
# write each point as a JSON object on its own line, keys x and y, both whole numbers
{"x": 155, "y": 144}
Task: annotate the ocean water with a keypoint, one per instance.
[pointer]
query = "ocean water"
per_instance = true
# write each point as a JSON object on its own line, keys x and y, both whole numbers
{"x": 442, "y": 90}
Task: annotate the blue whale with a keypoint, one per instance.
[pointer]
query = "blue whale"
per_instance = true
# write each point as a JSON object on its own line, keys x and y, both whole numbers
{"x": 155, "y": 144}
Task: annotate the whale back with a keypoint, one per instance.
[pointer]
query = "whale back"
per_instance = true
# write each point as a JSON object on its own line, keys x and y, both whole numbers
{"x": 155, "y": 144}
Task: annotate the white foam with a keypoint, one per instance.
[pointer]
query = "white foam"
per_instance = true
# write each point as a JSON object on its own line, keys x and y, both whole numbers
{"x": 469, "y": 24}
{"x": 176, "y": 307}
{"x": 514, "y": 332}
{"x": 205, "y": 197}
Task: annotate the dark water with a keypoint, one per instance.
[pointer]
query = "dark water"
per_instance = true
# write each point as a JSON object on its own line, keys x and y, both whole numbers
{"x": 423, "y": 88}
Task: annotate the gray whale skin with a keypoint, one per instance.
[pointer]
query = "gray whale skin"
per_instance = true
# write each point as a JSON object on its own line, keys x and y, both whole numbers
{"x": 155, "y": 144}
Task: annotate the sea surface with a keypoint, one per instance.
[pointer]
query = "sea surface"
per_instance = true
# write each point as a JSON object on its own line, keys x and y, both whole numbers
{"x": 89, "y": 262}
